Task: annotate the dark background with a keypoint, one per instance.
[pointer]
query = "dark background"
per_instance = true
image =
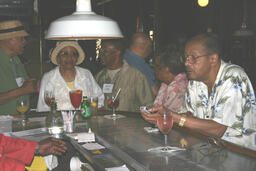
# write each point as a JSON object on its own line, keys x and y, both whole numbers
{"x": 168, "y": 18}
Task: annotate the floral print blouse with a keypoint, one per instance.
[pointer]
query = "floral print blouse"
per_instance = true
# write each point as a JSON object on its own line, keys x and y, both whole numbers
{"x": 231, "y": 103}
{"x": 172, "y": 96}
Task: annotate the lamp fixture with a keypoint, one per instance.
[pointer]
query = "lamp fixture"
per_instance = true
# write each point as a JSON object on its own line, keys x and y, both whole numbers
{"x": 83, "y": 25}
{"x": 244, "y": 31}
{"x": 203, "y": 3}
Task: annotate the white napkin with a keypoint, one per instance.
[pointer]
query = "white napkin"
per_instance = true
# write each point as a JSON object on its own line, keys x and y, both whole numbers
{"x": 37, "y": 119}
{"x": 83, "y": 136}
{"x": 5, "y": 123}
{"x": 51, "y": 161}
{"x": 93, "y": 146}
{"x": 120, "y": 168}
{"x": 150, "y": 129}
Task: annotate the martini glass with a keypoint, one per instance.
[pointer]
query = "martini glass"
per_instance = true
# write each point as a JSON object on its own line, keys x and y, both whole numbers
{"x": 113, "y": 104}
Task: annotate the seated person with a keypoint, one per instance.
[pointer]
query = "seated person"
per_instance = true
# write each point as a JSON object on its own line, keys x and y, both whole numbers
{"x": 135, "y": 88}
{"x": 15, "y": 153}
{"x": 67, "y": 76}
{"x": 220, "y": 98}
{"x": 170, "y": 69}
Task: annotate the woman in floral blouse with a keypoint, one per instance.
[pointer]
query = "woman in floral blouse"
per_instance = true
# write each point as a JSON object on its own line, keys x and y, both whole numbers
{"x": 169, "y": 68}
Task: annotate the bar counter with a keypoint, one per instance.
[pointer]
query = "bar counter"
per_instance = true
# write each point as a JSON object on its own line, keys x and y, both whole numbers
{"x": 127, "y": 143}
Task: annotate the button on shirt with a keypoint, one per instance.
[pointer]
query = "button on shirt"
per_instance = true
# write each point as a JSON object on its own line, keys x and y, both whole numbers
{"x": 231, "y": 103}
{"x": 140, "y": 63}
{"x": 10, "y": 69}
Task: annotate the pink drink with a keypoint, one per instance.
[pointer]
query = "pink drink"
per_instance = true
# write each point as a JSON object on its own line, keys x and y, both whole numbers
{"x": 165, "y": 123}
{"x": 76, "y": 98}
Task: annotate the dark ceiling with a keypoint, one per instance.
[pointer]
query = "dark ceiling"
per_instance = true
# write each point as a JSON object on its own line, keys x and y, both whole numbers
{"x": 170, "y": 16}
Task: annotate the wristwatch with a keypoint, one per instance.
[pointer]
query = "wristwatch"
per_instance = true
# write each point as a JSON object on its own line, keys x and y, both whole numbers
{"x": 182, "y": 120}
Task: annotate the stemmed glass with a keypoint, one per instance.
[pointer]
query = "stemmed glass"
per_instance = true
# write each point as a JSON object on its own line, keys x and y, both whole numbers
{"x": 49, "y": 98}
{"x": 76, "y": 98}
{"x": 68, "y": 116}
{"x": 113, "y": 104}
{"x": 165, "y": 123}
{"x": 22, "y": 106}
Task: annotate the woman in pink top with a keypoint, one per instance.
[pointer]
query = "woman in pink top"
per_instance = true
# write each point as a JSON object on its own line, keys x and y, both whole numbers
{"x": 170, "y": 70}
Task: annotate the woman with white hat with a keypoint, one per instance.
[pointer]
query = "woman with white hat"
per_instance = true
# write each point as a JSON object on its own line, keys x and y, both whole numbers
{"x": 67, "y": 76}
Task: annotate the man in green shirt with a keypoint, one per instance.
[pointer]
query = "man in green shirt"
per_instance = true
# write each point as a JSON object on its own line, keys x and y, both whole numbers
{"x": 15, "y": 83}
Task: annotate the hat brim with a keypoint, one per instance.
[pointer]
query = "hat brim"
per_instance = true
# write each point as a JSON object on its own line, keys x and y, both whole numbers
{"x": 61, "y": 45}
{"x": 9, "y": 35}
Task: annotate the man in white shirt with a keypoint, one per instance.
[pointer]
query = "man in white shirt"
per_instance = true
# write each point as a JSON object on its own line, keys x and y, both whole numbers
{"x": 220, "y": 98}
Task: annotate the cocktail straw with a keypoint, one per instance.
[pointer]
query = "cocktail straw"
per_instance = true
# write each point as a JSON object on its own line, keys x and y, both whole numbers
{"x": 117, "y": 94}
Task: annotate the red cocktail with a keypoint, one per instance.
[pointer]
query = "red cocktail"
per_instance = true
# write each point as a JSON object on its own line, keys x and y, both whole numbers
{"x": 113, "y": 103}
{"x": 49, "y": 98}
{"x": 76, "y": 98}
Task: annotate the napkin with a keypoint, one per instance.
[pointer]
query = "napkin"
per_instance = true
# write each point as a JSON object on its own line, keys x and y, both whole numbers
{"x": 93, "y": 146}
{"x": 37, "y": 119}
{"x": 51, "y": 161}
{"x": 83, "y": 136}
{"x": 150, "y": 129}
{"x": 120, "y": 168}
{"x": 6, "y": 123}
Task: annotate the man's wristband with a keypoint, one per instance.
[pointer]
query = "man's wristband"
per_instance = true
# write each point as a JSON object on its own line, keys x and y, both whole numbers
{"x": 182, "y": 120}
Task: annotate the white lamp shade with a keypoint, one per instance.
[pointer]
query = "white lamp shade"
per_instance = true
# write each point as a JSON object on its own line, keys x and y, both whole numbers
{"x": 83, "y": 25}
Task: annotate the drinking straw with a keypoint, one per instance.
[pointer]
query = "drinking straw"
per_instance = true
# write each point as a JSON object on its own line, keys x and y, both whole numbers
{"x": 117, "y": 94}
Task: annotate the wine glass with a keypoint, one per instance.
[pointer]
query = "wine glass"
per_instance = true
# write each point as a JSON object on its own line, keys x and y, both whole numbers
{"x": 22, "y": 106}
{"x": 76, "y": 98}
{"x": 49, "y": 98}
{"x": 113, "y": 104}
{"x": 165, "y": 123}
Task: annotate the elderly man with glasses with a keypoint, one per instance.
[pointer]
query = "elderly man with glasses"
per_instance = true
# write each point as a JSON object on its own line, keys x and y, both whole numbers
{"x": 220, "y": 98}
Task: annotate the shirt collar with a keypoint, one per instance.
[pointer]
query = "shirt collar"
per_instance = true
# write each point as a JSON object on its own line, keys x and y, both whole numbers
{"x": 134, "y": 56}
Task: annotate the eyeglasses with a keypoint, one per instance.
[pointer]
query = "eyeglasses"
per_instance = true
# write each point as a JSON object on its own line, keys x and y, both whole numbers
{"x": 192, "y": 59}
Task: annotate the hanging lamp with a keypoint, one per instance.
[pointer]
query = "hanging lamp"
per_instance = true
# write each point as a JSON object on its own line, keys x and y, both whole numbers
{"x": 83, "y": 25}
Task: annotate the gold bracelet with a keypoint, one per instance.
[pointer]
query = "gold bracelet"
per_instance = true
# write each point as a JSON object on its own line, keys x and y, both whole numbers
{"x": 182, "y": 120}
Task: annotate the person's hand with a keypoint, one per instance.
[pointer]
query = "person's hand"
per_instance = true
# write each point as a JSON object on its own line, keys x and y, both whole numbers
{"x": 30, "y": 86}
{"x": 51, "y": 146}
{"x": 156, "y": 112}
